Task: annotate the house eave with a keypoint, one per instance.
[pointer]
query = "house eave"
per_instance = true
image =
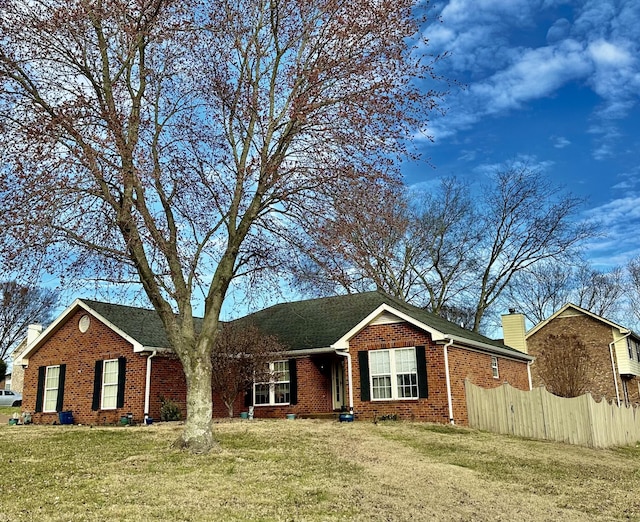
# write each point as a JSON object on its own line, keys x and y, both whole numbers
{"x": 55, "y": 325}
{"x": 490, "y": 348}
{"x": 343, "y": 342}
{"x": 310, "y": 351}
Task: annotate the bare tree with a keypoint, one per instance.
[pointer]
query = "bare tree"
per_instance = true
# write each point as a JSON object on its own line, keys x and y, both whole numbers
{"x": 414, "y": 246}
{"x": 178, "y": 142}
{"x": 540, "y": 290}
{"x": 564, "y": 365}
{"x": 241, "y": 356}
{"x": 599, "y": 291}
{"x": 21, "y": 306}
{"x": 526, "y": 219}
{"x": 359, "y": 250}
{"x": 445, "y": 233}
{"x": 545, "y": 287}
{"x": 633, "y": 275}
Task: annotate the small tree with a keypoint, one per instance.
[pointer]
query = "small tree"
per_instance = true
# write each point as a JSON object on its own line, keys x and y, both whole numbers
{"x": 565, "y": 365}
{"x": 240, "y": 358}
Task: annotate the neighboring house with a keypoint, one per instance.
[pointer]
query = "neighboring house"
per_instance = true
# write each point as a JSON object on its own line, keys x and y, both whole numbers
{"x": 367, "y": 353}
{"x": 5, "y": 382}
{"x": 613, "y": 350}
{"x": 17, "y": 377}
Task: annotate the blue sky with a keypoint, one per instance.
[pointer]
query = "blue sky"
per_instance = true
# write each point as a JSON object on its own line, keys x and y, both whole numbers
{"x": 555, "y": 83}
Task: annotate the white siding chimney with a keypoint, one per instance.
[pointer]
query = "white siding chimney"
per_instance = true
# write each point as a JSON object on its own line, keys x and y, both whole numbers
{"x": 33, "y": 331}
{"x": 513, "y": 330}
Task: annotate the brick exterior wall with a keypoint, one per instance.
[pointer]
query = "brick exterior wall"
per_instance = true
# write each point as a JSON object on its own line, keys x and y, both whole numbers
{"x": 596, "y": 336}
{"x": 79, "y": 351}
{"x": 314, "y": 390}
{"x": 462, "y": 364}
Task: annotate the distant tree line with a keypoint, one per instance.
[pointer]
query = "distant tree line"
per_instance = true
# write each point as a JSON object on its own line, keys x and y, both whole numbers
{"x": 470, "y": 253}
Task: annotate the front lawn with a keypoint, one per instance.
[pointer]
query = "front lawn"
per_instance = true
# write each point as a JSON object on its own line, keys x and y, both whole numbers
{"x": 309, "y": 470}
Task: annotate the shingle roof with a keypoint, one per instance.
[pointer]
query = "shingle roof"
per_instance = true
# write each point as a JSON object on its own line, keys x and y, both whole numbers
{"x": 143, "y": 325}
{"x": 319, "y": 323}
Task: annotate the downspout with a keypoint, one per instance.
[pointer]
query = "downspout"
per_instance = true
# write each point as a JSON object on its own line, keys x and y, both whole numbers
{"x": 147, "y": 386}
{"x": 529, "y": 375}
{"x": 448, "y": 380}
{"x": 349, "y": 378}
{"x": 613, "y": 366}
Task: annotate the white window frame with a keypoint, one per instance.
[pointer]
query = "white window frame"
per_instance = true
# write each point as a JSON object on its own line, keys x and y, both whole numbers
{"x": 50, "y": 393}
{"x": 393, "y": 375}
{"x": 110, "y": 401}
{"x": 274, "y": 383}
{"x": 494, "y": 367}
{"x": 630, "y": 348}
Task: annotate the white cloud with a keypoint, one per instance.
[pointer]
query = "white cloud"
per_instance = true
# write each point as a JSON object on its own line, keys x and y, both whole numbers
{"x": 596, "y": 46}
{"x": 619, "y": 218}
{"x": 535, "y": 74}
{"x": 607, "y": 54}
{"x": 560, "y": 142}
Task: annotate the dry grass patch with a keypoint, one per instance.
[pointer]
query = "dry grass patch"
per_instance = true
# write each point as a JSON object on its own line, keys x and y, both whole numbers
{"x": 309, "y": 470}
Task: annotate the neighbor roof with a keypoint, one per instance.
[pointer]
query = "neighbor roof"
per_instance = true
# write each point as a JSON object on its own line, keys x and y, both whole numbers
{"x": 318, "y": 323}
{"x": 571, "y": 306}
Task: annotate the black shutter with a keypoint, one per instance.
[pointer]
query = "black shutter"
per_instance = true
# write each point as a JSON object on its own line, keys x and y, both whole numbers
{"x": 421, "y": 361}
{"x": 40, "y": 391}
{"x": 248, "y": 397}
{"x": 363, "y": 360}
{"x": 61, "y": 376}
{"x": 122, "y": 370}
{"x": 97, "y": 385}
{"x": 293, "y": 382}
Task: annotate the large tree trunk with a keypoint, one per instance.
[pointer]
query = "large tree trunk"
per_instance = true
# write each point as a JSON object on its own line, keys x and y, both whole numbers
{"x": 197, "y": 436}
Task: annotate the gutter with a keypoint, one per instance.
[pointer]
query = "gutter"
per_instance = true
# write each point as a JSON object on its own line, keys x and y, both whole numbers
{"x": 448, "y": 379}
{"x": 310, "y": 351}
{"x": 147, "y": 385}
{"x": 613, "y": 366}
{"x": 349, "y": 377}
{"x": 511, "y": 353}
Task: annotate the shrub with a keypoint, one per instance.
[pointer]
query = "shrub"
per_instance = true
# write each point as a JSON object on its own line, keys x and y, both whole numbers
{"x": 169, "y": 410}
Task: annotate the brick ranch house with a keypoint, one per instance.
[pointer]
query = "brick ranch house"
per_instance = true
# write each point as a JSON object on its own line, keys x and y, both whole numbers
{"x": 367, "y": 353}
{"x": 614, "y": 351}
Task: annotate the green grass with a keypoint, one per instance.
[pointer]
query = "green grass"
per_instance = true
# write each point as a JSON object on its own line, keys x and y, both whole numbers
{"x": 8, "y": 410}
{"x": 309, "y": 470}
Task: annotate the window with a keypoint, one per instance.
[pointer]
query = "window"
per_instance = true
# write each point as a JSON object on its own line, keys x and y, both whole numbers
{"x": 278, "y": 389}
{"x": 625, "y": 391}
{"x": 494, "y": 367}
{"x": 630, "y": 348}
{"x": 110, "y": 384}
{"x": 637, "y": 349}
{"x": 51, "y": 383}
{"x": 393, "y": 374}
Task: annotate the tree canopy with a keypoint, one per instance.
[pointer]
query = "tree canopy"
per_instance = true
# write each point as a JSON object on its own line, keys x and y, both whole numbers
{"x": 178, "y": 144}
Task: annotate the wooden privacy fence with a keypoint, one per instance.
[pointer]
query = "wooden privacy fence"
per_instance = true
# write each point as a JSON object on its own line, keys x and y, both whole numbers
{"x": 538, "y": 414}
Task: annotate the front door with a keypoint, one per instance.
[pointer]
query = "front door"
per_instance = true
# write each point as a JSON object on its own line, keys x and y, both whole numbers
{"x": 337, "y": 384}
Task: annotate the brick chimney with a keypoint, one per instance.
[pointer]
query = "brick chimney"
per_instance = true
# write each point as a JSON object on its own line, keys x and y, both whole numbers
{"x": 513, "y": 330}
